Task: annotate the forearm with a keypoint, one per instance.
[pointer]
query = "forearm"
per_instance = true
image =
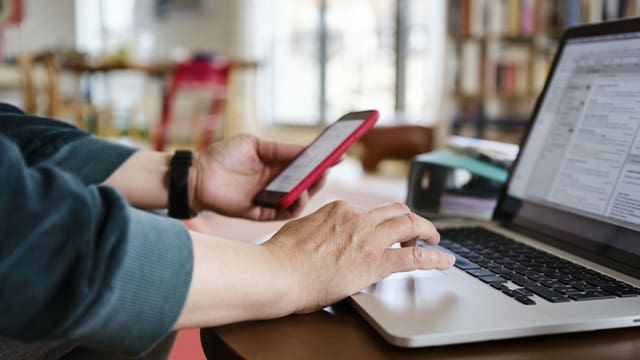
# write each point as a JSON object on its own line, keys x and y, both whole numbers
{"x": 143, "y": 179}
{"x": 234, "y": 281}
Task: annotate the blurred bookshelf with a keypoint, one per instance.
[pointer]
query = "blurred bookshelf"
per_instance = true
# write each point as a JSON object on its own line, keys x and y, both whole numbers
{"x": 499, "y": 53}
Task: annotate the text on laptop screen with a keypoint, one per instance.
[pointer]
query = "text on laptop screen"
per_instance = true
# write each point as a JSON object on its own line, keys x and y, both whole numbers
{"x": 578, "y": 175}
{"x": 583, "y": 153}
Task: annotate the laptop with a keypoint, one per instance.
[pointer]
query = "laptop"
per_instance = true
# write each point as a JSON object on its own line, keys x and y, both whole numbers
{"x": 562, "y": 251}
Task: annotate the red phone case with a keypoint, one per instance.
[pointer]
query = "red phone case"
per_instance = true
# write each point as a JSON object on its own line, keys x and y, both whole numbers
{"x": 317, "y": 172}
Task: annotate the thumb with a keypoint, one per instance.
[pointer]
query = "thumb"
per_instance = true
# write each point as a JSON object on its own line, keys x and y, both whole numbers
{"x": 270, "y": 151}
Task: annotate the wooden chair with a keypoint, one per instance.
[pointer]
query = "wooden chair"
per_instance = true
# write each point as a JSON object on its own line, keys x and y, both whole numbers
{"x": 29, "y": 85}
{"x": 57, "y": 106}
{"x": 204, "y": 73}
{"x": 399, "y": 142}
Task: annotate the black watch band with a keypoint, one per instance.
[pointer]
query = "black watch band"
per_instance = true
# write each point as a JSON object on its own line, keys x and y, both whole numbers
{"x": 179, "y": 185}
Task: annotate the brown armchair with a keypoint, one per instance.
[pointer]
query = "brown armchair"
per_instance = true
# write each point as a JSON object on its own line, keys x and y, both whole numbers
{"x": 400, "y": 142}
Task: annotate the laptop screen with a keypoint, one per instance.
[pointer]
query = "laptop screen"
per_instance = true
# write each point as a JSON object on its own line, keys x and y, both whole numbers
{"x": 578, "y": 175}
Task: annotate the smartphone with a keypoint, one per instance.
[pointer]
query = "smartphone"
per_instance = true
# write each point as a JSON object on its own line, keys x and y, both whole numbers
{"x": 309, "y": 166}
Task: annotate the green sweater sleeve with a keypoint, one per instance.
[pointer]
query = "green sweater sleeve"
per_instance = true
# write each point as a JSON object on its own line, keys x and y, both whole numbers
{"x": 77, "y": 263}
{"x": 90, "y": 158}
{"x": 146, "y": 292}
{"x": 47, "y": 141}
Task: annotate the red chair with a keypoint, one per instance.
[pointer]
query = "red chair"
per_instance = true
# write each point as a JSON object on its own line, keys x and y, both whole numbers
{"x": 201, "y": 72}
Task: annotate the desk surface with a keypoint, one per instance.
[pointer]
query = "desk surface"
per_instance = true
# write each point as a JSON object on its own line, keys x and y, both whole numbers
{"x": 339, "y": 332}
{"x": 343, "y": 334}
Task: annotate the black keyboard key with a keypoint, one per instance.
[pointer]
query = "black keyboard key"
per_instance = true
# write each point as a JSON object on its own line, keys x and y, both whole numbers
{"x": 480, "y": 272}
{"x": 568, "y": 291}
{"x": 584, "y": 286}
{"x": 559, "y": 285}
{"x": 474, "y": 258}
{"x": 549, "y": 284}
{"x": 566, "y": 279}
{"x": 520, "y": 269}
{"x": 499, "y": 286}
{"x": 546, "y": 293}
{"x": 627, "y": 287}
{"x": 591, "y": 295}
{"x": 522, "y": 292}
{"x": 465, "y": 264}
{"x": 504, "y": 261}
{"x": 468, "y": 253}
{"x": 492, "y": 279}
{"x": 507, "y": 274}
{"x": 525, "y": 300}
{"x": 521, "y": 280}
{"x": 538, "y": 278}
{"x": 448, "y": 243}
{"x": 551, "y": 273}
{"x": 529, "y": 273}
{"x": 618, "y": 291}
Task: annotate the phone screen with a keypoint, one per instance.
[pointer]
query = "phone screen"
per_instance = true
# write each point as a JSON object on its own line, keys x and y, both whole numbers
{"x": 313, "y": 155}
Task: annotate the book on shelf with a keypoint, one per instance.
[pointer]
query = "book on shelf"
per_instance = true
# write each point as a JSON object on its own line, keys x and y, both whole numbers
{"x": 507, "y": 69}
{"x": 470, "y": 67}
{"x": 477, "y": 18}
{"x": 500, "y": 56}
{"x": 496, "y": 18}
{"x": 527, "y": 9}
{"x": 522, "y": 18}
{"x": 500, "y": 69}
{"x": 513, "y": 18}
{"x": 539, "y": 71}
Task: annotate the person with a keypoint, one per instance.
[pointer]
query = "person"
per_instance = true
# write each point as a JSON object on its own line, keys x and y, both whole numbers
{"x": 82, "y": 262}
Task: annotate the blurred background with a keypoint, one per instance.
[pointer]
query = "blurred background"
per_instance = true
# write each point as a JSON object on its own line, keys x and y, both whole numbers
{"x": 169, "y": 73}
{"x": 293, "y": 64}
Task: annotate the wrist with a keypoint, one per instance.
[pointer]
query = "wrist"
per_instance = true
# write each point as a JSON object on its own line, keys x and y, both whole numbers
{"x": 287, "y": 284}
{"x": 194, "y": 180}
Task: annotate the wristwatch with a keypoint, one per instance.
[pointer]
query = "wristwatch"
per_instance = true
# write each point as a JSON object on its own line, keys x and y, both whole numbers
{"x": 179, "y": 185}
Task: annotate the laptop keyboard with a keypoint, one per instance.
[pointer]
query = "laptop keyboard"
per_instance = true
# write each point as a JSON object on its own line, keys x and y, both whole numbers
{"x": 520, "y": 271}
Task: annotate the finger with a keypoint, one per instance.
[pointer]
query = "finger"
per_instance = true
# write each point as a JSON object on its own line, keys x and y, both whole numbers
{"x": 270, "y": 151}
{"x": 296, "y": 208}
{"x": 260, "y": 213}
{"x": 340, "y": 159}
{"x": 406, "y": 227}
{"x": 414, "y": 258}
{"x": 388, "y": 211}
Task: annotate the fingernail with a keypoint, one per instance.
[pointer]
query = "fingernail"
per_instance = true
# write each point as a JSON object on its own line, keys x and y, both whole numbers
{"x": 452, "y": 259}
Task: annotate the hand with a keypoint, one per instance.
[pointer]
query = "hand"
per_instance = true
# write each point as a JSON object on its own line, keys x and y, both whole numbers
{"x": 340, "y": 250}
{"x": 226, "y": 177}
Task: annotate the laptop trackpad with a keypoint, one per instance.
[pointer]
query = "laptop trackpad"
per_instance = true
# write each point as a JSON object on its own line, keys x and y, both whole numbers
{"x": 416, "y": 274}
{"x": 400, "y": 290}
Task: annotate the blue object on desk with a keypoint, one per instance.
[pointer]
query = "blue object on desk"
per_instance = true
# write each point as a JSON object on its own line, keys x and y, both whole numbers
{"x": 430, "y": 177}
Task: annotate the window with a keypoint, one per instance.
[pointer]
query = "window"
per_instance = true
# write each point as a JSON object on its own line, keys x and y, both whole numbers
{"x": 327, "y": 57}
{"x": 104, "y": 26}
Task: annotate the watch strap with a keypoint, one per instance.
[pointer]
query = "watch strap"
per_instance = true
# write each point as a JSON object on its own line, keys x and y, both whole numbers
{"x": 179, "y": 185}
